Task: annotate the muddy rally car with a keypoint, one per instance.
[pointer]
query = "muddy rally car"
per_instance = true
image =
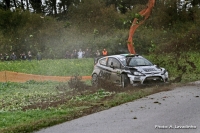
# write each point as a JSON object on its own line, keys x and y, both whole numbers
{"x": 127, "y": 69}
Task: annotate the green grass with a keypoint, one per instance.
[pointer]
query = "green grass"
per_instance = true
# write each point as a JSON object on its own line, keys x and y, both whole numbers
{"x": 61, "y": 67}
{"x": 17, "y": 96}
{"x": 28, "y": 121}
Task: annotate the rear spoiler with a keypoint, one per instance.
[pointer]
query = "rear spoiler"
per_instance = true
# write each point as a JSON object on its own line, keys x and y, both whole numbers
{"x": 130, "y": 55}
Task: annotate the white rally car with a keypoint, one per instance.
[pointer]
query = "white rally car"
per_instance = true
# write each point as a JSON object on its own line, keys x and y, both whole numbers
{"x": 125, "y": 69}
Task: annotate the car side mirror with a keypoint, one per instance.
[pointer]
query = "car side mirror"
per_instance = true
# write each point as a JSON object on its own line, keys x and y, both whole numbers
{"x": 157, "y": 65}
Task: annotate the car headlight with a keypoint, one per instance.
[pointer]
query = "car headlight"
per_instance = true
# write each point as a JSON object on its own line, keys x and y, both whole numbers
{"x": 163, "y": 72}
{"x": 136, "y": 73}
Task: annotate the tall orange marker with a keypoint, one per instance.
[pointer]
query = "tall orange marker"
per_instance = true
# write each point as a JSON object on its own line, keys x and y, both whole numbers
{"x": 145, "y": 13}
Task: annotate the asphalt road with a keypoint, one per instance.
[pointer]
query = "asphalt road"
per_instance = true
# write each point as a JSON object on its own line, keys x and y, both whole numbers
{"x": 175, "y": 111}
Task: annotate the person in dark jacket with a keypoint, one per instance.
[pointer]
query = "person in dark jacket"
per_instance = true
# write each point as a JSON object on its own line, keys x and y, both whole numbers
{"x": 13, "y": 57}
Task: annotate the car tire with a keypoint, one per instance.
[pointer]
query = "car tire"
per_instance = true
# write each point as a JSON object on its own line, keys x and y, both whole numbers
{"x": 125, "y": 80}
{"x": 95, "y": 80}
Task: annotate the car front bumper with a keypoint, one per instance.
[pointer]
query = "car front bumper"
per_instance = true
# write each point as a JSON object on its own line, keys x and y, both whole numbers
{"x": 151, "y": 78}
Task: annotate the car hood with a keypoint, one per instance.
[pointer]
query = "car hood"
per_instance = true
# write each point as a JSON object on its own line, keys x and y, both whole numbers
{"x": 147, "y": 69}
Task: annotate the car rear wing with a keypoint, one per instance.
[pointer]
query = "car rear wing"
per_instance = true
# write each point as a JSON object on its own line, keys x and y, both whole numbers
{"x": 130, "y": 55}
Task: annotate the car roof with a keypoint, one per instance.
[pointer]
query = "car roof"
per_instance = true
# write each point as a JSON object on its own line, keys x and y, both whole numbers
{"x": 119, "y": 56}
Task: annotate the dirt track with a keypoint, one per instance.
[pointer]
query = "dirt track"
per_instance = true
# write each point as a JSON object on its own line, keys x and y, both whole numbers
{"x": 22, "y": 77}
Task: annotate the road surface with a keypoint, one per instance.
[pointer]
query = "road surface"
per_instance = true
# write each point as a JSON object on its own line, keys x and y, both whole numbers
{"x": 175, "y": 111}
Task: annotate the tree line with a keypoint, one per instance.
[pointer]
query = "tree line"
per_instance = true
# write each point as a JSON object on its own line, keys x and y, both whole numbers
{"x": 54, "y": 8}
{"x": 173, "y": 25}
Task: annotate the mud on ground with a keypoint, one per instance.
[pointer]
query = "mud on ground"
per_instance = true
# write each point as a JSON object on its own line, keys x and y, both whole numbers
{"x": 78, "y": 87}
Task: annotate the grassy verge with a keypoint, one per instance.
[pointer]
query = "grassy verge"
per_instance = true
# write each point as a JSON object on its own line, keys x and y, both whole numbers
{"x": 30, "y": 106}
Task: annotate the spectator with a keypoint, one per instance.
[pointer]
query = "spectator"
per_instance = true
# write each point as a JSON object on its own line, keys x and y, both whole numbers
{"x": 13, "y": 57}
{"x": 83, "y": 55}
{"x": 97, "y": 53}
{"x": 29, "y": 55}
{"x": 20, "y": 56}
{"x": 74, "y": 54}
{"x": 39, "y": 56}
{"x": 1, "y": 57}
{"x": 104, "y": 52}
{"x": 23, "y": 56}
{"x": 80, "y": 54}
{"x": 87, "y": 53}
{"x": 6, "y": 57}
{"x": 67, "y": 55}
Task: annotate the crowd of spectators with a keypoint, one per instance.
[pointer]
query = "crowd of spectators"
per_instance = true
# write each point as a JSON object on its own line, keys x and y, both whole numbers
{"x": 75, "y": 54}
{"x": 22, "y": 56}
{"x": 84, "y": 54}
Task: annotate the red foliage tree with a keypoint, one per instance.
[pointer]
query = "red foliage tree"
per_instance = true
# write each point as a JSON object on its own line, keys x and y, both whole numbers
{"x": 145, "y": 13}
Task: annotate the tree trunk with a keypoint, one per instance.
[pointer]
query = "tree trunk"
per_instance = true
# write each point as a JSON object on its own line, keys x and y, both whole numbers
{"x": 7, "y": 4}
{"x": 15, "y": 4}
{"x": 22, "y": 5}
{"x": 27, "y": 5}
{"x": 136, "y": 23}
{"x": 54, "y": 7}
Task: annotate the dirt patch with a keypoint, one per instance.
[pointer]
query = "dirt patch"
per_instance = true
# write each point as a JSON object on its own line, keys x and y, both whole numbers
{"x": 77, "y": 87}
{"x": 6, "y": 76}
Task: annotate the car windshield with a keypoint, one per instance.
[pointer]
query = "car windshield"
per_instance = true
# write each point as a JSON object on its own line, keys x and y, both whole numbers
{"x": 136, "y": 61}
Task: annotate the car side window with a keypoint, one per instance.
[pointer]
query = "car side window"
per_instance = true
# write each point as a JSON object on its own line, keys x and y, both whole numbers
{"x": 103, "y": 61}
{"x": 116, "y": 63}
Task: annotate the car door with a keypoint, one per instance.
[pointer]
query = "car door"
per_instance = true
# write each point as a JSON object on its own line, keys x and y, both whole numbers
{"x": 114, "y": 67}
{"x": 104, "y": 70}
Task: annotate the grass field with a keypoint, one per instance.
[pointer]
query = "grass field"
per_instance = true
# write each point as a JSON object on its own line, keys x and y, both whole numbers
{"x": 61, "y": 67}
{"x": 27, "y": 107}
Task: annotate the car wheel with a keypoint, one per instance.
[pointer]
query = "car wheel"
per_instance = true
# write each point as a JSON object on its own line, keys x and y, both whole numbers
{"x": 95, "y": 80}
{"x": 125, "y": 80}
